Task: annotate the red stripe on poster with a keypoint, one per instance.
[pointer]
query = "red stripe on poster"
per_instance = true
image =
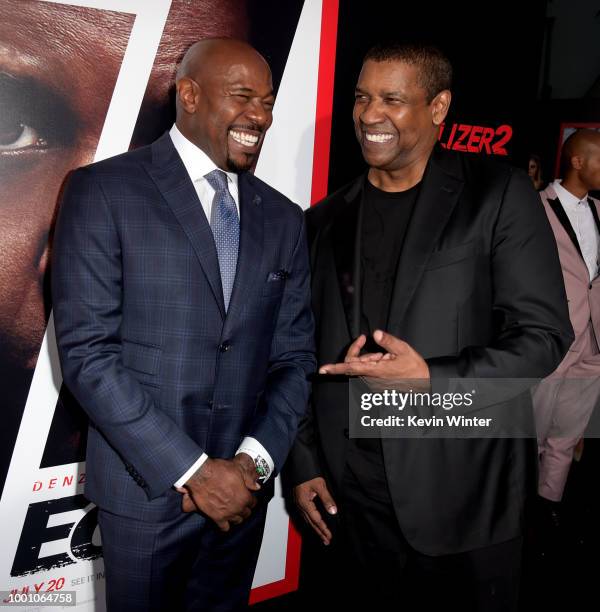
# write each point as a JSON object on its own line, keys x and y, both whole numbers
{"x": 324, "y": 106}
{"x": 292, "y": 571}
{"x": 329, "y": 23}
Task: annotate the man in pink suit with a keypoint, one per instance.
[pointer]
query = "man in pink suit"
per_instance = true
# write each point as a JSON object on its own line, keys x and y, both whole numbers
{"x": 564, "y": 401}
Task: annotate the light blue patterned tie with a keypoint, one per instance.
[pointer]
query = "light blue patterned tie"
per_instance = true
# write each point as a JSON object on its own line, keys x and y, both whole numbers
{"x": 225, "y": 225}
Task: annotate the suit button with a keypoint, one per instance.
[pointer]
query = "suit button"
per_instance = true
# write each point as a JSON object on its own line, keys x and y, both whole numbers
{"x": 224, "y": 347}
{"x": 346, "y": 433}
{"x": 590, "y": 286}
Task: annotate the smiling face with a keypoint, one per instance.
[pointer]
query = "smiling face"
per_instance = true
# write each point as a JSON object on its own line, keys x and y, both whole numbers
{"x": 226, "y": 105}
{"x": 395, "y": 124}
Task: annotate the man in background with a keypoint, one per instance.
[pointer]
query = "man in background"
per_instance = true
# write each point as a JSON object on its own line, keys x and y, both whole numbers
{"x": 182, "y": 314}
{"x": 565, "y": 400}
{"x": 440, "y": 265}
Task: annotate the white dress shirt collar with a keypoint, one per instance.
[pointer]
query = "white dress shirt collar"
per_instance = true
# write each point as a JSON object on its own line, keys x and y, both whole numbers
{"x": 197, "y": 163}
{"x": 566, "y": 197}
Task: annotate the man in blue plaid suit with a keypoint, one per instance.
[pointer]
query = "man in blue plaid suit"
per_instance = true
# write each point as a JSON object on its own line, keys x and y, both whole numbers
{"x": 182, "y": 314}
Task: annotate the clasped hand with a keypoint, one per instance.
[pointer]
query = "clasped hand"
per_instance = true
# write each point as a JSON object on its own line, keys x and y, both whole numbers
{"x": 222, "y": 490}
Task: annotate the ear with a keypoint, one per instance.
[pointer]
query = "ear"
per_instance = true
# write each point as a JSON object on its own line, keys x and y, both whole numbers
{"x": 439, "y": 106}
{"x": 188, "y": 93}
{"x": 577, "y": 162}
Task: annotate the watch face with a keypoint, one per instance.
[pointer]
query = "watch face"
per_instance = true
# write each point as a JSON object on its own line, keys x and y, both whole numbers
{"x": 262, "y": 468}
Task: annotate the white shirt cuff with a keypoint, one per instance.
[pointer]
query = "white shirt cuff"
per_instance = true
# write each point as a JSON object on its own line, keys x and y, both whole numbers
{"x": 252, "y": 447}
{"x": 194, "y": 467}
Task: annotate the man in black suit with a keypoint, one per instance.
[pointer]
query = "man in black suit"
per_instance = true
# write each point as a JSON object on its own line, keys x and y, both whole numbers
{"x": 453, "y": 257}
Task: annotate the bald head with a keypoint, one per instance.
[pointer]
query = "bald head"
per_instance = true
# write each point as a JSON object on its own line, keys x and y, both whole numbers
{"x": 210, "y": 55}
{"x": 225, "y": 100}
{"x": 580, "y": 160}
{"x": 578, "y": 144}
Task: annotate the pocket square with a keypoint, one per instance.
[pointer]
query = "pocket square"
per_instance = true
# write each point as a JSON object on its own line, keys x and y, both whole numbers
{"x": 278, "y": 276}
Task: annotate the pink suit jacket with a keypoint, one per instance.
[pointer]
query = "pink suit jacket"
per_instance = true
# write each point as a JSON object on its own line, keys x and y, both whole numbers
{"x": 564, "y": 401}
{"x": 583, "y": 295}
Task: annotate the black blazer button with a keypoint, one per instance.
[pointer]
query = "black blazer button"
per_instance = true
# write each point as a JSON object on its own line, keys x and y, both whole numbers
{"x": 224, "y": 347}
{"x": 346, "y": 433}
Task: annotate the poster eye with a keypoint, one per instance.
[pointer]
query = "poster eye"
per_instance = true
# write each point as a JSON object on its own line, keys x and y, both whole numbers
{"x": 34, "y": 117}
{"x": 16, "y": 136}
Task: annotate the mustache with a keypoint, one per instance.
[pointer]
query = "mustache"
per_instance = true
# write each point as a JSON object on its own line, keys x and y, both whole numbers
{"x": 249, "y": 127}
{"x": 379, "y": 129}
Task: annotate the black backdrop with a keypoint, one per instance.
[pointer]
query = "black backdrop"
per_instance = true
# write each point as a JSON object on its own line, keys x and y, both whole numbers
{"x": 499, "y": 52}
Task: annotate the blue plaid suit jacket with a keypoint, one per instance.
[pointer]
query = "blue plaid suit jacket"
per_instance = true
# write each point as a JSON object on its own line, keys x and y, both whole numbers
{"x": 144, "y": 342}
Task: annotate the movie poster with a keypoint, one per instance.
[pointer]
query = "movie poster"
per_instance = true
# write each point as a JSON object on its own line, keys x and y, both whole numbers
{"x": 82, "y": 80}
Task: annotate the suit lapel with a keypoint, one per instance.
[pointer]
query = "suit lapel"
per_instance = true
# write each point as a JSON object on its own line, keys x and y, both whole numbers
{"x": 172, "y": 180}
{"x": 346, "y": 249}
{"x": 440, "y": 189}
{"x": 560, "y": 213}
{"x": 251, "y": 246}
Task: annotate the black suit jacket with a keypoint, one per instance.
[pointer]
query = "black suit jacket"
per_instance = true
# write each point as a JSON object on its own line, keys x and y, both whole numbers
{"x": 478, "y": 294}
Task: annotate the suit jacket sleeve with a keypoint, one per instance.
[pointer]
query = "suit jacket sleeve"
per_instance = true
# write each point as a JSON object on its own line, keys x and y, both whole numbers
{"x": 532, "y": 331}
{"x": 291, "y": 361}
{"x": 303, "y": 462}
{"x": 87, "y": 292}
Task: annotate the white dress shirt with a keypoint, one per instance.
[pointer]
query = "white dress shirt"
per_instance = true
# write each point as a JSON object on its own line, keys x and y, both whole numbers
{"x": 198, "y": 165}
{"x": 582, "y": 221}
